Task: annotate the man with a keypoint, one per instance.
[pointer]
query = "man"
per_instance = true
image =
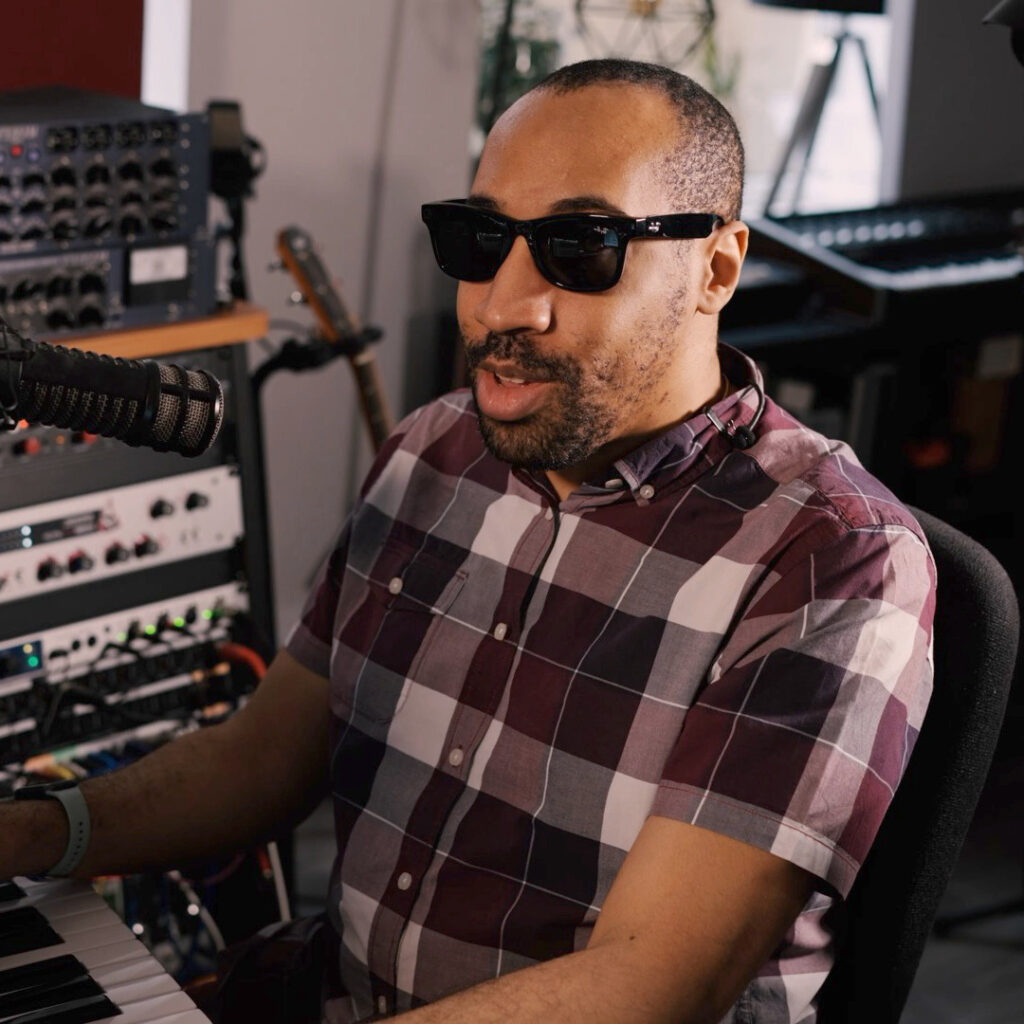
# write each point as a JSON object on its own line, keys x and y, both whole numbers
{"x": 617, "y": 665}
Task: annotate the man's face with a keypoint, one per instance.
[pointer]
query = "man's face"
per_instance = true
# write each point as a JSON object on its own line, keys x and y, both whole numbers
{"x": 563, "y": 377}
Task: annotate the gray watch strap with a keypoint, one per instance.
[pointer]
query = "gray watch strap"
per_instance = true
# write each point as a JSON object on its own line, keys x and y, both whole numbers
{"x": 79, "y": 830}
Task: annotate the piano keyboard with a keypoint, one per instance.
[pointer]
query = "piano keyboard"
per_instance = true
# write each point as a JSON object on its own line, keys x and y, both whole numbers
{"x": 67, "y": 958}
{"x": 912, "y": 247}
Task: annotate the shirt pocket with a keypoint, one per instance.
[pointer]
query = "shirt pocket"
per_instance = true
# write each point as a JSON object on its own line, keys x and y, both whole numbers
{"x": 409, "y": 591}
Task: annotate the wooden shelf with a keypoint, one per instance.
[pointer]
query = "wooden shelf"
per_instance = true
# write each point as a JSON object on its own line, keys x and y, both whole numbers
{"x": 243, "y": 322}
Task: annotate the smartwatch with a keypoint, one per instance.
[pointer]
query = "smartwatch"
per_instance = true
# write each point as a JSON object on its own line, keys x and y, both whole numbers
{"x": 77, "y": 810}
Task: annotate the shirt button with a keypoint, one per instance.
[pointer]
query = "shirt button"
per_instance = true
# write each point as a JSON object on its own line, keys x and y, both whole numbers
{"x": 404, "y": 881}
{"x": 500, "y": 630}
{"x": 382, "y": 1004}
{"x": 646, "y": 492}
{"x": 455, "y": 756}
{"x": 395, "y": 586}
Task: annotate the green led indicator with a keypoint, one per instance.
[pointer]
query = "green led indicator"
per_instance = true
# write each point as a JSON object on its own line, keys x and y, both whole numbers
{"x": 121, "y": 637}
{"x": 33, "y": 662}
{"x": 150, "y": 630}
{"x": 179, "y": 622}
{"x": 207, "y": 613}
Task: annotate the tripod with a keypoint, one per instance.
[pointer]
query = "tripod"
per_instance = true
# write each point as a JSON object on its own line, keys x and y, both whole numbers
{"x": 805, "y": 127}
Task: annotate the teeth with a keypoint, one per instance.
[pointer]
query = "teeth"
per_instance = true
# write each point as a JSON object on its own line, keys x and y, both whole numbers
{"x": 510, "y": 380}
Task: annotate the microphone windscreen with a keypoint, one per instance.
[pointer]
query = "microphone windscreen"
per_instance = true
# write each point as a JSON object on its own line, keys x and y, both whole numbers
{"x": 190, "y": 412}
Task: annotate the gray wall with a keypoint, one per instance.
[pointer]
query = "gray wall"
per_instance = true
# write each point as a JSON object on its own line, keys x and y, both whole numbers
{"x": 954, "y": 117}
{"x": 313, "y": 78}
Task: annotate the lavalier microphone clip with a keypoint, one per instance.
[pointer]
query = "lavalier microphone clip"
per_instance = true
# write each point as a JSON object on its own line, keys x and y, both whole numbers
{"x": 743, "y": 436}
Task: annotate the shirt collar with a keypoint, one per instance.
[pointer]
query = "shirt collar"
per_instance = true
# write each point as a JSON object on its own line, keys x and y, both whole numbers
{"x": 672, "y": 453}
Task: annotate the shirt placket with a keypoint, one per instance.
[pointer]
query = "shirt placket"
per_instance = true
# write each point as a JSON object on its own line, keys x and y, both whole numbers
{"x": 485, "y": 683}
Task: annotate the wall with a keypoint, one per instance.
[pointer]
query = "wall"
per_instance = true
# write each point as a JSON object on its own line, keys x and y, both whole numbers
{"x": 314, "y": 78}
{"x": 66, "y": 42}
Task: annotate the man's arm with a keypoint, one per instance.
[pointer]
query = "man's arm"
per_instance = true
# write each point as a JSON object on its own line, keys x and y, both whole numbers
{"x": 212, "y": 791}
{"x": 690, "y": 918}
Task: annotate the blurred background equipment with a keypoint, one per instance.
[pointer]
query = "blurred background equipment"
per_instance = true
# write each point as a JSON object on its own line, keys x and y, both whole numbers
{"x": 800, "y": 143}
{"x": 102, "y": 212}
{"x": 668, "y": 32}
{"x": 520, "y": 48}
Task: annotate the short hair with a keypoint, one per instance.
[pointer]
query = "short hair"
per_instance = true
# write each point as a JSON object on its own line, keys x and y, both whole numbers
{"x": 705, "y": 171}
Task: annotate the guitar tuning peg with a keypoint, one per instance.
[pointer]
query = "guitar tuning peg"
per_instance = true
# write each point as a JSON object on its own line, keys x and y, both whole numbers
{"x": 274, "y": 265}
{"x": 296, "y": 299}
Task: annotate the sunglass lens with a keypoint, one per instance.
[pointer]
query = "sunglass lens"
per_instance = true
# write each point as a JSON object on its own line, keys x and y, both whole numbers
{"x": 468, "y": 245}
{"x": 580, "y": 256}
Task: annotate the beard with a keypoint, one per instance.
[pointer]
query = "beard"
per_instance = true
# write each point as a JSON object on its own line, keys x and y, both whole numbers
{"x": 567, "y": 431}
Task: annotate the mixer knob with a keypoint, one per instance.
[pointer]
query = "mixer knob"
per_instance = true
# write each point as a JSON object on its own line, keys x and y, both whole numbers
{"x": 117, "y": 553}
{"x": 80, "y": 562}
{"x": 146, "y": 546}
{"x": 49, "y": 570}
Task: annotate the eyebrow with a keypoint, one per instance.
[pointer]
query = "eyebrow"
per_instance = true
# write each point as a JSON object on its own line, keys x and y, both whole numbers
{"x": 571, "y": 204}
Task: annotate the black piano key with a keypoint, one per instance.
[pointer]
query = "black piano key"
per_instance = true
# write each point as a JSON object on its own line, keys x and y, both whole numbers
{"x": 48, "y": 996}
{"x": 24, "y": 929}
{"x": 79, "y": 1011}
{"x": 10, "y": 891}
{"x": 56, "y": 971}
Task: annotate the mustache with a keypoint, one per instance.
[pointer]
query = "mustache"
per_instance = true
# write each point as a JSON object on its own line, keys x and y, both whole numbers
{"x": 518, "y": 349}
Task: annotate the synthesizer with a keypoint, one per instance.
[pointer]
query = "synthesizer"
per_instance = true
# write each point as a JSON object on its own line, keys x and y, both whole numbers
{"x": 67, "y": 958}
{"x": 862, "y": 269}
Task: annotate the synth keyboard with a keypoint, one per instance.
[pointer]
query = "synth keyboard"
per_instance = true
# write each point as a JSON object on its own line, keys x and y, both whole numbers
{"x": 913, "y": 246}
{"x": 67, "y": 958}
{"x": 932, "y": 264}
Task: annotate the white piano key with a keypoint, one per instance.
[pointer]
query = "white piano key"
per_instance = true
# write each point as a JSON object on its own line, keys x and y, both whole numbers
{"x": 132, "y": 978}
{"x": 74, "y": 944}
{"x": 153, "y": 1010}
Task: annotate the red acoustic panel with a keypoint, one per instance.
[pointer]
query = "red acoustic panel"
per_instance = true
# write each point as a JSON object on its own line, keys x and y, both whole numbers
{"x": 69, "y": 42}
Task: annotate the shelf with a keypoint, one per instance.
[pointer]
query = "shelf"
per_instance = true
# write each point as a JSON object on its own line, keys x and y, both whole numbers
{"x": 243, "y": 322}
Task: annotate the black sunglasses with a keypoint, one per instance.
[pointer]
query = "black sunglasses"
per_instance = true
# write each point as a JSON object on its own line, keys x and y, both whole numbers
{"x": 582, "y": 252}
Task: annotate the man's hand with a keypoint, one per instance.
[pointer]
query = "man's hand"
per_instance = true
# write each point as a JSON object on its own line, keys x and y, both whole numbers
{"x": 212, "y": 791}
{"x": 690, "y": 918}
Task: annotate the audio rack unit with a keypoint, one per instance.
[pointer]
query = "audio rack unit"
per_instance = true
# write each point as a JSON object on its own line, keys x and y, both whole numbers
{"x": 119, "y": 180}
{"x": 135, "y": 606}
{"x": 94, "y": 537}
{"x": 95, "y": 679}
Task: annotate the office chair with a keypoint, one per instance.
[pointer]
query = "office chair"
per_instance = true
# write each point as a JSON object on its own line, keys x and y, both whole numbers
{"x": 894, "y": 900}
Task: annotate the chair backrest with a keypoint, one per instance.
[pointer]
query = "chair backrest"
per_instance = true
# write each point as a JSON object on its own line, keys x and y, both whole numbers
{"x": 893, "y": 903}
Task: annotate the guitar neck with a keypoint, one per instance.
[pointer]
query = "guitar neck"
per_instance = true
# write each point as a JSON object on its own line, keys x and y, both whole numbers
{"x": 371, "y": 398}
{"x": 300, "y": 257}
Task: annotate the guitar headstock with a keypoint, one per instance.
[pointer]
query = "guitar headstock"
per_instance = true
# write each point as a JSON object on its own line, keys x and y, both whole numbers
{"x": 301, "y": 259}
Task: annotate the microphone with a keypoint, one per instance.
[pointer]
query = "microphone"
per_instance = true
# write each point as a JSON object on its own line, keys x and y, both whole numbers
{"x": 742, "y": 436}
{"x": 141, "y": 402}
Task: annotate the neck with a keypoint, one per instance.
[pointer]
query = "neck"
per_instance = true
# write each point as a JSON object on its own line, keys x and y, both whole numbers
{"x": 713, "y": 387}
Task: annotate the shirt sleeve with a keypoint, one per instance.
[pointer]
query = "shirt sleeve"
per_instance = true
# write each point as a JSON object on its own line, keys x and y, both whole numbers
{"x": 309, "y": 641}
{"x": 799, "y": 739}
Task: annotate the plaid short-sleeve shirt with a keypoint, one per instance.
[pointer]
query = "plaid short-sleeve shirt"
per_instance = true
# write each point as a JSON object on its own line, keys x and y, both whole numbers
{"x": 736, "y": 639}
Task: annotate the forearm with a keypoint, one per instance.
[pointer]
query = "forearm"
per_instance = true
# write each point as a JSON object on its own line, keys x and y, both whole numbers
{"x": 604, "y": 984}
{"x": 199, "y": 795}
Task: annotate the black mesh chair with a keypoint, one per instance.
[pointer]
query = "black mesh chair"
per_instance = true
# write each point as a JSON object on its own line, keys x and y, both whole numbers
{"x": 895, "y": 899}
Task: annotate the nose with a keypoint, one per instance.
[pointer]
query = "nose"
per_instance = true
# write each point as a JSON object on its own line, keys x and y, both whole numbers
{"x": 517, "y": 298}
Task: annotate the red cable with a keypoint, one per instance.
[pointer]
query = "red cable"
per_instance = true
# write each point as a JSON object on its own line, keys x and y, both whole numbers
{"x": 244, "y": 655}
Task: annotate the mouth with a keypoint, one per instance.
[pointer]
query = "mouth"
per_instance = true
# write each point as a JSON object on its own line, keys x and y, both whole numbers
{"x": 510, "y": 375}
{"x": 509, "y": 393}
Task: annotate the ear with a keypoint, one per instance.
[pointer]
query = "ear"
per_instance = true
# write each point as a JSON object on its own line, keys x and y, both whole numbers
{"x": 723, "y": 259}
